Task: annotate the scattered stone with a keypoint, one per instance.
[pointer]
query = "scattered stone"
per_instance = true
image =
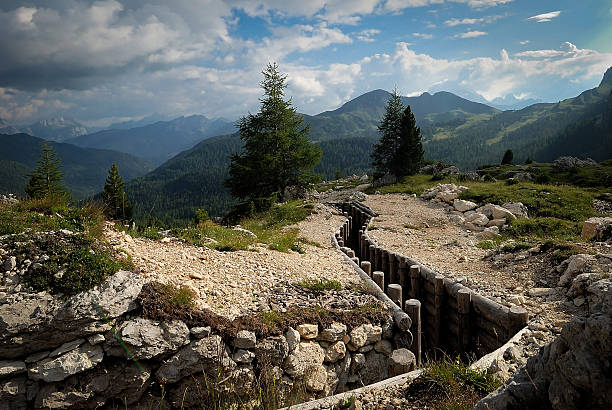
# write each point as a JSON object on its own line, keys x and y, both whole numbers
{"x": 335, "y": 352}
{"x": 518, "y": 209}
{"x": 272, "y": 350}
{"x": 305, "y": 355}
{"x": 308, "y": 331}
{"x": 293, "y": 338}
{"x": 149, "y": 338}
{"x": 245, "y": 339}
{"x": 11, "y": 367}
{"x": 244, "y": 356}
{"x": 315, "y": 379}
{"x": 464, "y": 206}
{"x": 200, "y": 332}
{"x": 365, "y": 334}
{"x": 335, "y": 332}
{"x": 78, "y": 360}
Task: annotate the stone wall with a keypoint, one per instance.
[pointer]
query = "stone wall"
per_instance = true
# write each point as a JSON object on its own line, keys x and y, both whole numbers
{"x": 447, "y": 315}
{"x": 96, "y": 349}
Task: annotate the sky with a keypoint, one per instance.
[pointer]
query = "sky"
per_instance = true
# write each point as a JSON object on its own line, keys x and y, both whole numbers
{"x": 114, "y": 60}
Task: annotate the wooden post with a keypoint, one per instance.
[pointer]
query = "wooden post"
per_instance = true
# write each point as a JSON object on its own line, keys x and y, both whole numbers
{"x": 372, "y": 252}
{"x": 340, "y": 243}
{"x": 415, "y": 281}
{"x": 438, "y": 301}
{"x": 350, "y": 253}
{"x": 517, "y": 319}
{"x": 392, "y": 267}
{"x": 378, "y": 262}
{"x": 367, "y": 267}
{"x": 385, "y": 266}
{"x": 394, "y": 291}
{"x": 404, "y": 276}
{"x": 360, "y": 242}
{"x": 356, "y": 260}
{"x": 464, "y": 300}
{"x": 413, "y": 308}
{"x": 379, "y": 278}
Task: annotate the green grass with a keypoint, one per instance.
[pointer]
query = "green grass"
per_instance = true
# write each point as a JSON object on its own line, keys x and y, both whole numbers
{"x": 320, "y": 285}
{"x": 451, "y": 384}
{"x": 269, "y": 227}
{"x": 486, "y": 244}
{"x": 75, "y": 264}
{"x": 517, "y": 246}
{"x": 178, "y": 296}
{"x": 148, "y": 232}
{"x": 41, "y": 216}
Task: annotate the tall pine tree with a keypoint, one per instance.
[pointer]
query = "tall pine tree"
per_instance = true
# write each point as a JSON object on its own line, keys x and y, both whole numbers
{"x": 409, "y": 155}
{"x": 277, "y": 153}
{"x": 390, "y": 129}
{"x": 399, "y": 150}
{"x": 116, "y": 204}
{"x": 46, "y": 180}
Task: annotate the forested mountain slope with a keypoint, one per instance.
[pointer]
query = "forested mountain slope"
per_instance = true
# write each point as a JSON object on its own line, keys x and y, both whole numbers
{"x": 483, "y": 139}
{"x": 85, "y": 169}
{"x": 194, "y": 178}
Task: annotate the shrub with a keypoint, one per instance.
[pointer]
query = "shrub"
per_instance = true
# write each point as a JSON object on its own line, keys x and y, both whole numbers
{"x": 321, "y": 285}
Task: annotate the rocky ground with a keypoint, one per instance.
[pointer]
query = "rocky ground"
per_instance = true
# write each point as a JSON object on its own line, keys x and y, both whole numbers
{"x": 235, "y": 283}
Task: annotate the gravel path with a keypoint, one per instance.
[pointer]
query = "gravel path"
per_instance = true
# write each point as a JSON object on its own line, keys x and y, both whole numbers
{"x": 234, "y": 283}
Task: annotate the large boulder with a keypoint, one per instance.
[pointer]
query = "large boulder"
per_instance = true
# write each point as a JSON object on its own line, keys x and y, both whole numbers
{"x": 595, "y": 228}
{"x": 573, "y": 371}
{"x": 364, "y": 335}
{"x": 124, "y": 381}
{"x": 40, "y": 321}
{"x": 146, "y": 338}
{"x": 567, "y": 163}
{"x": 518, "y": 209}
{"x": 463, "y": 205}
{"x": 53, "y": 369}
{"x": 305, "y": 356}
{"x": 205, "y": 355}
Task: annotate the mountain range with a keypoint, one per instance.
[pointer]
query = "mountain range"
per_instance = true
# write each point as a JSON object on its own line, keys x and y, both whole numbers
{"x": 84, "y": 169}
{"x": 159, "y": 141}
{"x": 54, "y": 129}
{"x": 196, "y": 150}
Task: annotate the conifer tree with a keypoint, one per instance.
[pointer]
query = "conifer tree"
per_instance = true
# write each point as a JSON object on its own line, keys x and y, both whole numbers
{"x": 508, "y": 157}
{"x": 277, "y": 153}
{"x": 46, "y": 180}
{"x": 390, "y": 130}
{"x": 116, "y": 204}
{"x": 409, "y": 155}
{"x": 399, "y": 150}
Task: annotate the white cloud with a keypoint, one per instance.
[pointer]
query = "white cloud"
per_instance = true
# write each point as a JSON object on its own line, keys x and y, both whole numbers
{"x": 524, "y": 42}
{"x": 480, "y": 4}
{"x": 470, "y": 34}
{"x": 468, "y": 21}
{"x": 367, "y": 35}
{"x": 397, "y": 5}
{"x": 570, "y": 50}
{"x": 424, "y": 36}
{"x": 543, "y": 18}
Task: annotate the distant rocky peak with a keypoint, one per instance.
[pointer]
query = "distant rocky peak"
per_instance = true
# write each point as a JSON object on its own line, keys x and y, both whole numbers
{"x": 607, "y": 78}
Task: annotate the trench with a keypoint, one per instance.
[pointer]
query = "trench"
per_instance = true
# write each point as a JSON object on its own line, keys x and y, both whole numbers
{"x": 447, "y": 317}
